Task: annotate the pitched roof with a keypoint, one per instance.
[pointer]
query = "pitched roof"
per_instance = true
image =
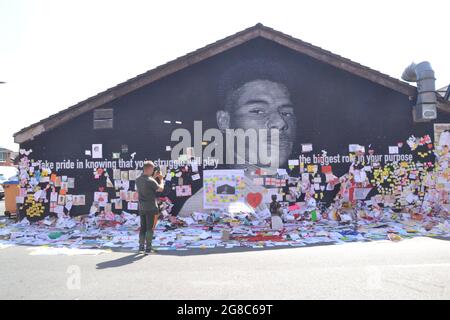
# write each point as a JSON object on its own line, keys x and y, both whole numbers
{"x": 198, "y": 55}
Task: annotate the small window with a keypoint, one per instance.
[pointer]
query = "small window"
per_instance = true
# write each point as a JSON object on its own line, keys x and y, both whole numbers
{"x": 103, "y": 119}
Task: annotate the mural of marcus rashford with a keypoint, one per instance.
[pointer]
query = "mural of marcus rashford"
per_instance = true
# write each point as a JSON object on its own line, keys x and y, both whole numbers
{"x": 256, "y": 96}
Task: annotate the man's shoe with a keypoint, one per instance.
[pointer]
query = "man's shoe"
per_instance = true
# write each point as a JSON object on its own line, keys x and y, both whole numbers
{"x": 148, "y": 251}
{"x": 141, "y": 250}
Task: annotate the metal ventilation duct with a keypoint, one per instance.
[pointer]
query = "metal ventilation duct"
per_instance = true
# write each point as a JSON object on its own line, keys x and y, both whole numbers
{"x": 426, "y": 106}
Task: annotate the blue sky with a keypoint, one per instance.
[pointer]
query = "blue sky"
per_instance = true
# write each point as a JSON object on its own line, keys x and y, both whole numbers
{"x": 54, "y": 54}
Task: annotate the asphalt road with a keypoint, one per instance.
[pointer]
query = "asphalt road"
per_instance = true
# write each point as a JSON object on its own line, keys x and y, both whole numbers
{"x": 411, "y": 269}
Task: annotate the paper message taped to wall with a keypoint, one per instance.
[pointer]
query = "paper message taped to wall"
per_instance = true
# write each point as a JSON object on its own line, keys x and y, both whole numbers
{"x": 223, "y": 187}
{"x": 307, "y": 147}
{"x": 97, "y": 151}
{"x": 393, "y": 150}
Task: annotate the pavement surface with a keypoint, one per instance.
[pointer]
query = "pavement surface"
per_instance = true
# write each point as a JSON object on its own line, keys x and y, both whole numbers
{"x": 417, "y": 268}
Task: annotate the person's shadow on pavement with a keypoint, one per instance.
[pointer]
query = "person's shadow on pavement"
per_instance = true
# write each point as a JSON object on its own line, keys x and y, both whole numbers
{"x": 120, "y": 262}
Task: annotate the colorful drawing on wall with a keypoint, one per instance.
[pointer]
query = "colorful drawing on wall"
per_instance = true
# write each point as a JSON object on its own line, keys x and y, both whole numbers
{"x": 222, "y": 187}
{"x": 101, "y": 198}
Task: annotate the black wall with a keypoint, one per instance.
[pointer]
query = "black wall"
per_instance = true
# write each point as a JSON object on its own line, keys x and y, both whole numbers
{"x": 334, "y": 109}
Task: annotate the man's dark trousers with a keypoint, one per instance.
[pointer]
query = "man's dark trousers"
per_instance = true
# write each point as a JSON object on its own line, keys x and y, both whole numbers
{"x": 146, "y": 231}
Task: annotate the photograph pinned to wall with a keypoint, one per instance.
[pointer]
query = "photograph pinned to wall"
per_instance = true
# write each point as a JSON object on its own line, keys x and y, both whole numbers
{"x": 87, "y": 153}
{"x": 71, "y": 183}
{"x": 215, "y": 181}
{"x": 79, "y": 200}
{"x": 183, "y": 191}
{"x": 75, "y": 200}
{"x": 116, "y": 155}
{"x": 116, "y": 174}
{"x": 61, "y": 200}
{"x": 124, "y": 175}
{"x": 118, "y": 204}
{"x": 97, "y": 151}
{"x": 65, "y": 186}
{"x": 132, "y": 175}
{"x": 130, "y": 195}
{"x": 123, "y": 195}
{"x": 101, "y": 198}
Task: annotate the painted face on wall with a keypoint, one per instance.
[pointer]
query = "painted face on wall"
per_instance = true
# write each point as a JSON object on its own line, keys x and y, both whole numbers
{"x": 262, "y": 104}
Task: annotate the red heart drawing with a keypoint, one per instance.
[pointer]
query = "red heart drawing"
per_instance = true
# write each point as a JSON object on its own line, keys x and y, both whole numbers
{"x": 430, "y": 146}
{"x": 101, "y": 189}
{"x": 400, "y": 144}
{"x": 254, "y": 199}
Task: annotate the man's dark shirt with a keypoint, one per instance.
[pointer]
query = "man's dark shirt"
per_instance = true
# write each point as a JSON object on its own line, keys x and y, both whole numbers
{"x": 146, "y": 187}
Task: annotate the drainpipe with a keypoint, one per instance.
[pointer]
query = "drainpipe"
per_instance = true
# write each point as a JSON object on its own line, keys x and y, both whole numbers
{"x": 426, "y": 105}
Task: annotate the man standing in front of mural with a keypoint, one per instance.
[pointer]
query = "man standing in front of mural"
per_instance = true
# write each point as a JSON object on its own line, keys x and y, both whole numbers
{"x": 147, "y": 187}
